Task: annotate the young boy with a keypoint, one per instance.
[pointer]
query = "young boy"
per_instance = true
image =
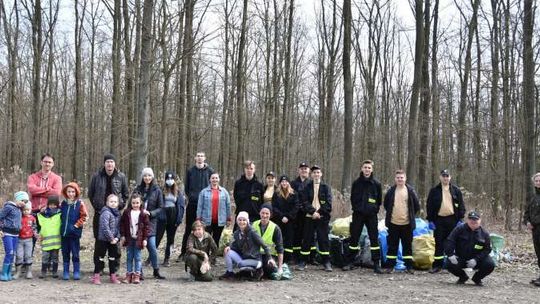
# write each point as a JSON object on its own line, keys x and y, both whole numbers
{"x": 24, "y": 247}
{"x": 74, "y": 216}
{"x": 49, "y": 235}
{"x": 10, "y": 226}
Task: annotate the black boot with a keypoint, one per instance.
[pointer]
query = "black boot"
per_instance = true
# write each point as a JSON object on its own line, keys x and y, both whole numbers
{"x": 54, "y": 270}
{"x": 157, "y": 275}
{"x": 44, "y": 268}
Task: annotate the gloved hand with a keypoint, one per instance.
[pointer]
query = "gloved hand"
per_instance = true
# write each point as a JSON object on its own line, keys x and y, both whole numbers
{"x": 431, "y": 226}
{"x": 453, "y": 259}
{"x": 471, "y": 263}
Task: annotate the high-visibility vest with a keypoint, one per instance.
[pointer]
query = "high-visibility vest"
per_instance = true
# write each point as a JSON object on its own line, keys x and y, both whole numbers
{"x": 50, "y": 231}
{"x": 268, "y": 235}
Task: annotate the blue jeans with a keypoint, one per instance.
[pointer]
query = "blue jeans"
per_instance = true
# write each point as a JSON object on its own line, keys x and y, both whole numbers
{"x": 10, "y": 247}
{"x": 232, "y": 258}
{"x": 70, "y": 249}
{"x": 152, "y": 251}
{"x": 134, "y": 253}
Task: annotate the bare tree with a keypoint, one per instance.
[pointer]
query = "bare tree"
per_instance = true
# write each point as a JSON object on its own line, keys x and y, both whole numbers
{"x": 348, "y": 89}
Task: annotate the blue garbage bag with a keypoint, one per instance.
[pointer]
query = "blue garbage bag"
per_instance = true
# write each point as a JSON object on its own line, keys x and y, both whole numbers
{"x": 422, "y": 227}
{"x": 400, "y": 265}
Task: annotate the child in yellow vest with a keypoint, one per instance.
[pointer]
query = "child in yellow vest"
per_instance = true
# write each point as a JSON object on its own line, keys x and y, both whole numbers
{"x": 50, "y": 221}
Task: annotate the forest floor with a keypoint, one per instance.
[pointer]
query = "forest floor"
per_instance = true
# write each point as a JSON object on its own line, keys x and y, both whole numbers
{"x": 508, "y": 284}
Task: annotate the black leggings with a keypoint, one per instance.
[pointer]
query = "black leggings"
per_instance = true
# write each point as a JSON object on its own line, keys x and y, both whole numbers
{"x": 102, "y": 249}
{"x": 168, "y": 225}
{"x": 191, "y": 215}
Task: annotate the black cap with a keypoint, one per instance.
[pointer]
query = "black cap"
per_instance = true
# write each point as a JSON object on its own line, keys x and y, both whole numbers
{"x": 170, "y": 175}
{"x": 109, "y": 156}
{"x": 267, "y": 206}
{"x": 302, "y": 165}
{"x": 271, "y": 173}
{"x": 445, "y": 172}
{"x": 473, "y": 215}
{"x": 315, "y": 167}
{"x": 283, "y": 177}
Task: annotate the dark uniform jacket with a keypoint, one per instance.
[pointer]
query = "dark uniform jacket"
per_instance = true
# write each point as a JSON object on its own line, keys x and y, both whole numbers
{"x": 285, "y": 207}
{"x": 325, "y": 200}
{"x": 532, "y": 211}
{"x": 413, "y": 204}
{"x": 467, "y": 244}
{"x": 366, "y": 195}
{"x": 434, "y": 202}
{"x": 248, "y": 196}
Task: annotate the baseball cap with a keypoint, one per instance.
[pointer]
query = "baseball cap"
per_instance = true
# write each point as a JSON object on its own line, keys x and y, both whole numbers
{"x": 473, "y": 215}
{"x": 445, "y": 172}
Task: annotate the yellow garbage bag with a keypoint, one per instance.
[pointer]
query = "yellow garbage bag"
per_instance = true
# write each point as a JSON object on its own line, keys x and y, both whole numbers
{"x": 340, "y": 226}
{"x": 225, "y": 240}
{"x": 423, "y": 247}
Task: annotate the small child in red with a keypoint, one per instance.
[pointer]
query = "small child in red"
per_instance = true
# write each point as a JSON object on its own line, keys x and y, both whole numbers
{"x": 24, "y": 247}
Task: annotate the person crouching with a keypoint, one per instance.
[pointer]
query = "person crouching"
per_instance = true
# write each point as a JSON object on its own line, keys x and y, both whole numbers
{"x": 201, "y": 249}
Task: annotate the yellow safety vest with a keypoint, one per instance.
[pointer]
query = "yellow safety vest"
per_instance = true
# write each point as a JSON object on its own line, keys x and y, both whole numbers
{"x": 50, "y": 231}
{"x": 268, "y": 235}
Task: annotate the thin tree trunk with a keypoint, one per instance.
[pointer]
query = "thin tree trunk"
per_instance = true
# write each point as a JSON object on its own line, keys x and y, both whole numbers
{"x": 348, "y": 89}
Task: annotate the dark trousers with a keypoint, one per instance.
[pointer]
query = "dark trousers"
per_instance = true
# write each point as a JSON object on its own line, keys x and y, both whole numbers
{"x": 287, "y": 231}
{"x": 191, "y": 216}
{"x": 298, "y": 233}
{"x": 443, "y": 227}
{"x": 102, "y": 249}
{"x": 215, "y": 231}
{"x": 484, "y": 268}
{"x": 320, "y": 228}
{"x": 357, "y": 224}
{"x": 169, "y": 226}
{"x": 536, "y": 242}
{"x": 395, "y": 234}
{"x": 70, "y": 249}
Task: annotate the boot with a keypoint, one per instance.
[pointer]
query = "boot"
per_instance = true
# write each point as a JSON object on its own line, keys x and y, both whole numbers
{"x": 43, "y": 271}
{"x": 54, "y": 270}
{"x": 76, "y": 270}
{"x": 9, "y": 275}
{"x": 4, "y": 276}
{"x": 136, "y": 278}
{"x": 18, "y": 270}
{"x": 65, "y": 274}
{"x": 129, "y": 278}
{"x": 114, "y": 279}
{"x": 166, "y": 263}
{"x": 377, "y": 267}
{"x": 29, "y": 271}
{"x": 157, "y": 275}
{"x": 96, "y": 280}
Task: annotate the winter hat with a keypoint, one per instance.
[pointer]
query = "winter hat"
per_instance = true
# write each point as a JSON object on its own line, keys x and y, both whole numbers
{"x": 170, "y": 175}
{"x": 283, "y": 177}
{"x": 267, "y": 206}
{"x": 53, "y": 199}
{"x": 147, "y": 171}
{"x": 109, "y": 156}
{"x": 244, "y": 215}
{"x": 21, "y": 196}
{"x": 75, "y": 187}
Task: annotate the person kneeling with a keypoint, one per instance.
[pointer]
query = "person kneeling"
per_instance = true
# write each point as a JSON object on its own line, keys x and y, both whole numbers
{"x": 272, "y": 237}
{"x": 245, "y": 250}
{"x": 468, "y": 246}
{"x": 201, "y": 249}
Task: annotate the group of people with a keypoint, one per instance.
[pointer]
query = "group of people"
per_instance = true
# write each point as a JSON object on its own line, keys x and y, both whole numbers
{"x": 279, "y": 222}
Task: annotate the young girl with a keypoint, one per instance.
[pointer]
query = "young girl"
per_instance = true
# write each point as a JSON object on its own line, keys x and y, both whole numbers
{"x": 74, "y": 216}
{"x": 24, "y": 247}
{"x": 10, "y": 226}
{"x": 107, "y": 242}
{"x": 134, "y": 229}
{"x": 50, "y": 221}
{"x": 201, "y": 248}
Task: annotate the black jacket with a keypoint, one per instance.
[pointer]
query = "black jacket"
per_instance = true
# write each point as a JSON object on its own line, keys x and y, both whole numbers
{"x": 98, "y": 187}
{"x": 532, "y": 210}
{"x": 325, "y": 200}
{"x": 413, "y": 204}
{"x": 366, "y": 195}
{"x": 285, "y": 207}
{"x": 434, "y": 202}
{"x": 153, "y": 202}
{"x": 248, "y": 196}
{"x": 467, "y": 244}
{"x": 196, "y": 180}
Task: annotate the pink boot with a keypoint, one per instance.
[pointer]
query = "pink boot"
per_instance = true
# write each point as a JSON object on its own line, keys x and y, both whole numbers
{"x": 114, "y": 279}
{"x": 96, "y": 279}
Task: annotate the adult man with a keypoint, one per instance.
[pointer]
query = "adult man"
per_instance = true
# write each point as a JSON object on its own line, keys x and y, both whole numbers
{"x": 468, "y": 246}
{"x": 248, "y": 192}
{"x": 401, "y": 205}
{"x": 366, "y": 199}
{"x": 43, "y": 184}
{"x": 197, "y": 178}
{"x": 532, "y": 220}
{"x": 106, "y": 181}
{"x": 272, "y": 237}
{"x": 317, "y": 204}
{"x": 299, "y": 184}
{"x": 445, "y": 208}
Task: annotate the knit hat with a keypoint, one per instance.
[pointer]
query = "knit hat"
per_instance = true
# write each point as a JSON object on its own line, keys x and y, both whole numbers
{"x": 21, "y": 196}
{"x": 244, "y": 215}
{"x": 283, "y": 177}
{"x": 147, "y": 171}
{"x": 267, "y": 206}
{"x": 53, "y": 199}
{"x": 170, "y": 175}
{"x": 75, "y": 187}
{"x": 109, "y": 156}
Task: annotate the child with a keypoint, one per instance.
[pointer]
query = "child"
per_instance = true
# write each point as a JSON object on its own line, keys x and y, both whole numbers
{"x": 107, "y": 242}
{"x": 201, "y": 248}
{"x": 10, "y": 226}
{"x": 74, "y": 216}
{"x": 24, "y": 248}
{"x": 134, "y": 228}
{"x": 49, "y": 234}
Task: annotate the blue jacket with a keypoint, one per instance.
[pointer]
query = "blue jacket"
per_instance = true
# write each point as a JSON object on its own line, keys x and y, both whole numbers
{"x": 10, "y": 218}
{"x": 204, "y": 206}
{"x": 70, "y": 216}
{"x": 109, "y": 224}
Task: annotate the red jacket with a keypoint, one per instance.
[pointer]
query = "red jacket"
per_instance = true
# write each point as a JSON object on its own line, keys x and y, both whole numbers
{"x": 39, "y": 193}
{"x": 28, "y": 227}
{"x": 143, "y": 229}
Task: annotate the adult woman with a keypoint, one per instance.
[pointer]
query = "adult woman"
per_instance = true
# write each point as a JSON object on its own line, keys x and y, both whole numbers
{"x": 153, "y": 202}
{"x": 270, "y": 189}
{"x": 171, "y": 215}
{"x": 285, "y": 209}
{"x": 532, "y": 219}
{"x": 214, "y": 207}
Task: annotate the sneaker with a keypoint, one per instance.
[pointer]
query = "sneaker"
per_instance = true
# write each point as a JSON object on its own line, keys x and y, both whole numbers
{"x": 327, "y": 267}
{"x": 301, "y": 266}
{"x": 96, "y": 280}
{"x": 435, "y": 270}
{"x": 227, "y": 276}
{"x": 462, "y": 280}
{"x": 114, "y": 278}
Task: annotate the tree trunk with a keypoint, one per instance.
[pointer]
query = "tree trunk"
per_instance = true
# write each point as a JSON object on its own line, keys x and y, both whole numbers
{"x": 348, "y": 89}
{"x": 424, "y": 108}
{"x": 116, "y": 111}
{"x": 240, "y": 81}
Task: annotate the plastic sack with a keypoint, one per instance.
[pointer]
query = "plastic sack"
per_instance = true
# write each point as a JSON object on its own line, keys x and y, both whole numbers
{"x": 423, "y": 247}
{"x": 284, "y": 275}
{"x": 422, "y": 227}
{"x": 225, "y": 240}
{"x": 400, "y": 265}
{"x": 339, "y": 250}
{"x": 497, "y": 245}
{"x": 340, "y": 226}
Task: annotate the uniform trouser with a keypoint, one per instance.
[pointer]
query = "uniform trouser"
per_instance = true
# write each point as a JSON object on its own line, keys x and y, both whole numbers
{"x": 10, "y": 247}
{"x": 357, "y": 224}
{"x": 24, "y": 252}
{"x": 320, "y": 227}
{"x": 536, "y": 242}
{"x": 395, "y": 234}
{"x": 443, "y": 226}
{"x": 215, "y": 230}
{"x": 483, "y": 267}
{"x": 298, "y": 233}
{"x": 191, "y": 215}
{"x": 102, "y": 249}
{"x": 169, "y": 226}
{"x": 287, "y": 231}
{"x": 194, "y": 262}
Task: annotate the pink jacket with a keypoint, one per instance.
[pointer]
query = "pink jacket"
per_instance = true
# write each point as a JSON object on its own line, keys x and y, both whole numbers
{"x": 39, "y": 193}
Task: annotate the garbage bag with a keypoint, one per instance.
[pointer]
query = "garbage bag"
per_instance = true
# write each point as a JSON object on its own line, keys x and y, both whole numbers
{"x": 423, "y": 251}
{"x": 340, "y": 227}
{"x": 497, "y": 245}
{"x": 339, "y": 250}
{"x": 400, "y": 265}
{"x": 422, "y": 227}
{"x": 225, "y": 240}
